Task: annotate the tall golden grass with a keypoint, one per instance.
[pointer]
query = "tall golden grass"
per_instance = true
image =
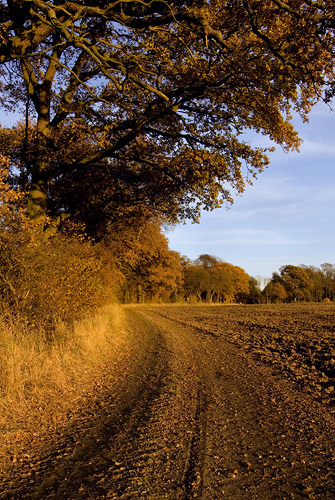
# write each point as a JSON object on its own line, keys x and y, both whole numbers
{"x": 41, "y": 379}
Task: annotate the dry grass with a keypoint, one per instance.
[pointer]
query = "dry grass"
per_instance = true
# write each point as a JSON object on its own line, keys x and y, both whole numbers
{"x": 41, "y": 380}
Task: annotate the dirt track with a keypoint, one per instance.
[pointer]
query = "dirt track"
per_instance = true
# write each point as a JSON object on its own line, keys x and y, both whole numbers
{"x": 190, "y": 412}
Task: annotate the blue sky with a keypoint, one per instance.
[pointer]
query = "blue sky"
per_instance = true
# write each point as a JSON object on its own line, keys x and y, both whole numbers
{"x": 286, "y": 217}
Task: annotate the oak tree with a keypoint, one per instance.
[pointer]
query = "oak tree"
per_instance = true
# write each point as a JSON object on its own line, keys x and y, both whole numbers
{"x": 275, "y": 292}
{"x": 254, "y": 291}
{"x": 317, "y": 278}
{"x": 152, "y": 272}
{"x": 293, "y": 283}
{"x": 210, "y": 279}
{"x": 234, "y": 282}
{"x": 297, "y": 283}
{"x": 146, "y": 102}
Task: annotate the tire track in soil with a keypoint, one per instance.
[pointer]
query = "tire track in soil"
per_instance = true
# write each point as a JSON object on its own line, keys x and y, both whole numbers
{"x": 188, "y": 325}
{"x": 192, "y": 481}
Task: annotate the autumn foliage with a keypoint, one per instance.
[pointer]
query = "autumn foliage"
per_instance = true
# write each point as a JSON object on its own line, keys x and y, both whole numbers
{"x": 46, "y": 278}
{"x": 132, "y": 115}
{"x": 211, "y": 280}
{"x": 152, "y": 271}
{"x": 135, "y": 114}
{"x": 142, "y": 106}
{"x": 302, "y": 284}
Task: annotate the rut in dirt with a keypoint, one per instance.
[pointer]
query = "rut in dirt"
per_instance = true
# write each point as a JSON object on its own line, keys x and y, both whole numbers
{"x": 191, "y": 484}
{"x": 191, "y": 415}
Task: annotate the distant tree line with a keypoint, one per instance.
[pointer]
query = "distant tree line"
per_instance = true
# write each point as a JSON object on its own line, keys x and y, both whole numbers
{"x": 301, "y": 283}
{"x": 209, "y": 279}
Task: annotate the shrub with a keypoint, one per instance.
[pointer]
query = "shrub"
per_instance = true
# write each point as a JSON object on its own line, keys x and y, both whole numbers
{"x": 47, "y": 279}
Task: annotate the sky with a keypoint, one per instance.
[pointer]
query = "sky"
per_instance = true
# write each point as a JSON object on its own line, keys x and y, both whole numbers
{"x": 286, "y": 217}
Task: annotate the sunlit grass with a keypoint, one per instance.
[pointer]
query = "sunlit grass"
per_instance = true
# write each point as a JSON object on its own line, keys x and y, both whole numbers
{"x": 42, "y": 379}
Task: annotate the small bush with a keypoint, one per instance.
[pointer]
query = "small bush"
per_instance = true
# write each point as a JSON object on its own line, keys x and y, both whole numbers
{"x": 52, "y": 280}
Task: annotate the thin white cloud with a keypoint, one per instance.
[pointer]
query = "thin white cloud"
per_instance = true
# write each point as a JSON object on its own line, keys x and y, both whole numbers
{"x": 317, "y": 148}
{"x": 240, "y": 236}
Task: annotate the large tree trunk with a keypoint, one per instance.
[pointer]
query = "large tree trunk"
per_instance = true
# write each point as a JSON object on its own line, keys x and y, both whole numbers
{"x": 37, "y": 199}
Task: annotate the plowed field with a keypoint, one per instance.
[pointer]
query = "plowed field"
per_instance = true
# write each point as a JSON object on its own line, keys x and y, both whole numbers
{"x": 207, "y": 402}
{"x": 296, "y": 339}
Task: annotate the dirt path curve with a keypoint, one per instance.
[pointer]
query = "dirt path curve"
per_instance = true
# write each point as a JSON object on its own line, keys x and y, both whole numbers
{"x": 188, "y": 416}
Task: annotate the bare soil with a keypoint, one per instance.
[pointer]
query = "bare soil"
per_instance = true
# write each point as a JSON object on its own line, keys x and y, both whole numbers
{"x": 210, "y": 402}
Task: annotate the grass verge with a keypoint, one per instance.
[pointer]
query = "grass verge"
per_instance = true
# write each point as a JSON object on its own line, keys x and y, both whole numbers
{"x": 42, "y": 380}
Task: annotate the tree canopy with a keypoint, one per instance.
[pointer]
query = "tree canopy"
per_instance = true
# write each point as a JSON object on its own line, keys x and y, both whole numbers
{"x": 143, "y": 105}
{"x": 152, "y": 272}
{"x": 209, "y": 278}
{"x": 302, "y": 283}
